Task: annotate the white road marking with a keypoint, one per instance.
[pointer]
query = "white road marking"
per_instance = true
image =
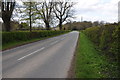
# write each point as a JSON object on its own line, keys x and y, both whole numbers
{"x": 53, "y": 43}
{"x": 63, "y": 38}
{"x": 31, "y": 53}
{"x": 57, "y": 41}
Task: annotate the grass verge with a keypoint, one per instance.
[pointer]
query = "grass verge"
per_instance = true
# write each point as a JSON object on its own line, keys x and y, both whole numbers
{"x": 88, "y": 62}
{"x": 16, "y": 43}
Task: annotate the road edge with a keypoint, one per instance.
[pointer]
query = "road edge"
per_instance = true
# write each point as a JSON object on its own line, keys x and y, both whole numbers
{"x": 71, "y": 71}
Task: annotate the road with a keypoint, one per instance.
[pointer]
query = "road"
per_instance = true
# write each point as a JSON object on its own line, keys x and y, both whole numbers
{"x": 50, "y": 58}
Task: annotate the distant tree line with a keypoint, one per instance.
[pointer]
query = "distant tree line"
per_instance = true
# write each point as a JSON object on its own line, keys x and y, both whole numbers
{"x": 82, "y": 25}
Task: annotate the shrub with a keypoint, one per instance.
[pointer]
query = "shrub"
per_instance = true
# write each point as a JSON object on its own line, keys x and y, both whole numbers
{"x": 94, "y": 34}
{"x": 9, "y": 37}
{"x": 105, "y": 38}
{"x": 114, "y": 47}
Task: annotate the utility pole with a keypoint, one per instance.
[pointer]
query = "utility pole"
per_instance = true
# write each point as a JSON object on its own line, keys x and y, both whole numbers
{"x": 81, "y": 19}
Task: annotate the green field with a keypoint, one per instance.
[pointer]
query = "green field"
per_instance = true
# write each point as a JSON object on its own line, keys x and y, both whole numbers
{"x": 89, "y": 63}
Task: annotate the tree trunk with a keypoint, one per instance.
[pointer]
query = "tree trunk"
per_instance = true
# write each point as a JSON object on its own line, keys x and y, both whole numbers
{"x": 7, "y": 10}
{"x": 30, "y": 19}
{"x": 7, "y": 24}
{"x": 60, "y": 25}
{"x": 30, "y": 25}
{"x": 47, "y": 26}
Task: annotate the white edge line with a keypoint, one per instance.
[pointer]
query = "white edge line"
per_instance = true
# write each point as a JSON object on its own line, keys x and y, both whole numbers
{"x": 31, "y": 53}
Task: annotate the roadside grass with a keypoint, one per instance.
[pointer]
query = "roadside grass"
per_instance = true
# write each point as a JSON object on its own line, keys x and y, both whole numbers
{"x": 19, "y": 43}
{"x": 88, "y": 62}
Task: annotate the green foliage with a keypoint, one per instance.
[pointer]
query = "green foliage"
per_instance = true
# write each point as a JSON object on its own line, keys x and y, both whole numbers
{"x": 29, "y": 12}
{"x": 9, "y": 37}
{"x": 114, "y": 47}
{"x": 94, "y": 34}
{"x": 24, "y": 25}
{"x": 103, "y": 37}
{"x": 106, "y": 39}
{"x": 89, "y": 64}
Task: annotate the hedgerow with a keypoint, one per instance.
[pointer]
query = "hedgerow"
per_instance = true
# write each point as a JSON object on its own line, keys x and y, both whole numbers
{"x": 9, "y": 37}
{"x": 94, "y": 34}
{"x": 107, "y": 41}
{"x": 102, "y": 37}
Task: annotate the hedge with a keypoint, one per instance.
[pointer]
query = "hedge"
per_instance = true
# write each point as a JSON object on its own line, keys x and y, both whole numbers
{"x": 107, "y": 41}
{"x": 94, "y": 34}
{"x": 105, "y": 38}
{"x": 9, "y": 37}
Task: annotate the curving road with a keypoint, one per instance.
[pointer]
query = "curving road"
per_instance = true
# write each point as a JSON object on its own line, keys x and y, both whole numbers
{"x": 50, "y": 58}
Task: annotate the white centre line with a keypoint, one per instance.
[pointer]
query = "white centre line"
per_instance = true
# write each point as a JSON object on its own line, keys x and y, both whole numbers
{"x": 54, "y": 43}
{"x": 31, "y": 53}
{"x": 63, "y": 38}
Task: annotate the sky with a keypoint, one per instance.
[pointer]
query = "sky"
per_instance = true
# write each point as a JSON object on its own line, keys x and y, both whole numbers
{"x": 95, "y": 10}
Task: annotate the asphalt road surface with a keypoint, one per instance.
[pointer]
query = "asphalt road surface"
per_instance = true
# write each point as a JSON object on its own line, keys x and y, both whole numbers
{"x": 50, "y": 58}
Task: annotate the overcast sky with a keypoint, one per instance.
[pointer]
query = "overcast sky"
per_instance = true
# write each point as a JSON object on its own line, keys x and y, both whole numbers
{"x": 96, "y": 10}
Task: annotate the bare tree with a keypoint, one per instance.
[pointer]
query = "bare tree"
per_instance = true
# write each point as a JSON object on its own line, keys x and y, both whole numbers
{"x": 45, "y": 11}
{"x": 62, "y": 11}
{"x": 7, "y": 10}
